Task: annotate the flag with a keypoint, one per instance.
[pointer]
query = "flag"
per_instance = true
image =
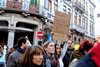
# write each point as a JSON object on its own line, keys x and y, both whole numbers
{"x": 36, "y": 3}
{"x": 32, "y": 2}
{"x": 77, "y": 47}
{"x": 2, "y": 59}
{"x": 49, "y": 38}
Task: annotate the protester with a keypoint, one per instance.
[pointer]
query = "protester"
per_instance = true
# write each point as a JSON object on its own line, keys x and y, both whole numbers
{"x": 60, "y": 53}
{"x": 50, "y": 59}
{"x": 61, "y": 47}
{"x": 7, "y": 55}
{"x": 33, "y": 57}
{"x": 15, "y": 47}
{"x": 40, "y": 43}
{"x": 14, "y": 58}
{"x": 2, "y": 59}
{"x": 78, "y": 54}
{"x": 1, "y": 51}
{"x": 91, "y": 59}
{"x": 68, "y": 54}
{"x": 57, "y": 50}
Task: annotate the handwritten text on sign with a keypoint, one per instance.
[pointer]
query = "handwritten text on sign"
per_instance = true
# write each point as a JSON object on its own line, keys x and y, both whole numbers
{"x": 61, "y": 26}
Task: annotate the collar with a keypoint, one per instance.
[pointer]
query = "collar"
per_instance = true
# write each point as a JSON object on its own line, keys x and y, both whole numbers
{"x": 21, "y": 50}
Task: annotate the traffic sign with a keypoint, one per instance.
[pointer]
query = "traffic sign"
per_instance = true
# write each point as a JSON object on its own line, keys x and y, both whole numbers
{"x": 39, "y": 34}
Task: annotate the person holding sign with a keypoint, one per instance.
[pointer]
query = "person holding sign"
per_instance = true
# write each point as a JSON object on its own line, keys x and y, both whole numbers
{"x": 60, "y": 54}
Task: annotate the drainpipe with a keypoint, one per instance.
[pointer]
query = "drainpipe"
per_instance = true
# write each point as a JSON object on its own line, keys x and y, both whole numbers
{"x": 72, "y": 22}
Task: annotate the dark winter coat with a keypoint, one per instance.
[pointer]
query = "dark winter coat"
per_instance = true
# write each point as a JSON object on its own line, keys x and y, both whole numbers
{"x": 66, "y": 58}
{"x": 14, "y": 58}
{"x": 86, "y": 61}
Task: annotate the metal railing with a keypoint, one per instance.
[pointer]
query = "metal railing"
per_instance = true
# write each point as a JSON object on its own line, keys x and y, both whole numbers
{"x": 79, "y": 5}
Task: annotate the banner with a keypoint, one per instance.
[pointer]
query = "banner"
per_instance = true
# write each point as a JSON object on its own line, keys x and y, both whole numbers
{"x": 61, "y": 26}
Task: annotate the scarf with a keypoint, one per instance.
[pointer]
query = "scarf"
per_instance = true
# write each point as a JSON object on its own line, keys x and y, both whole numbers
{"x": 51, "y": 61}
{"x": 46, "y": 60}
{"x": 21, "y": 50}
{"x": 76, "y": 54}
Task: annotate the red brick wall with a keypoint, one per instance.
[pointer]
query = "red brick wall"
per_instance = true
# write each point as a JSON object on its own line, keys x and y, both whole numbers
{"x": 33, "y": 8}
{"x": 14, "y": 4}
{"x": 18, "y": 5}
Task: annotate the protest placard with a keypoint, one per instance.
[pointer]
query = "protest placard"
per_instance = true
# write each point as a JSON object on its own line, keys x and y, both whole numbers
{"x": 61, "y": 26}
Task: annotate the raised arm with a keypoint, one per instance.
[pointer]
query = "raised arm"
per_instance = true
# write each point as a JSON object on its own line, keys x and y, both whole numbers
{"x": 64, "y": 50}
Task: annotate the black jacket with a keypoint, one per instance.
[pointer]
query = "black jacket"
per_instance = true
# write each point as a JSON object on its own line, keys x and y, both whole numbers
{"x": 66, "y": 58}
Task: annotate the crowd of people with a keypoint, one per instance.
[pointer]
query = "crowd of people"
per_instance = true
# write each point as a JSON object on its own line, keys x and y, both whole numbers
{"x": 49, "y": 54}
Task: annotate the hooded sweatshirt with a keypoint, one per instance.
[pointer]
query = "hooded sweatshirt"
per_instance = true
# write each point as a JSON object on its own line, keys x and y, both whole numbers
{"x": 95, "y": 54}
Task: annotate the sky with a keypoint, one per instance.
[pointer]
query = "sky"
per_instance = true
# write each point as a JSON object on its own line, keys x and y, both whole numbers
{"x": 97, "y": 20}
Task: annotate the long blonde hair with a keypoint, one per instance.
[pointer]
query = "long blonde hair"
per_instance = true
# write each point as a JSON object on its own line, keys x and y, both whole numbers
{"x": 46, "y": 43}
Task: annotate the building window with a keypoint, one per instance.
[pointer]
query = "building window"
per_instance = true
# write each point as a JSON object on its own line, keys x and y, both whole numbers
{"x": 50, "y": 6}
{"x": 46, "y": 4}
{"x": 90, "y": 10}
{"x": 83, "y": 2}
{"x": 18, "y": 0}
{"x": 83, "y": 23}
{"x": 32, "y": 2}
{"x": 74, "y": 40}
{"x": 90, "y": 27}
{"x": 86, "y": 25}
{"x": 75, "y": 18}
{"x": 55, "y": 1}
{"x": 79, "y": 42}
{"x": 36, "y": 2}
{"x": 55, "y": 5}
{"x": 11, "y": 0}
{"x": 98, "y": 15}
{"x": 69, "y": 10}
{"x": 86, "y": 7}
{"x": 79, "y": 20}
{"x": 64, "y": 8}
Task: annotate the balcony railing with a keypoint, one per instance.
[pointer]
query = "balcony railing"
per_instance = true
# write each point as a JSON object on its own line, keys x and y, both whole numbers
{"x": 46, "y": 13}
{"x": 91, "y": 16}
{"x": 78, "y": 28}
{"x": 79, "y": 7}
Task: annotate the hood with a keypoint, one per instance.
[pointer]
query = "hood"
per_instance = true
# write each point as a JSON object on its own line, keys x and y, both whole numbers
{"x": 95, "y": 54}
